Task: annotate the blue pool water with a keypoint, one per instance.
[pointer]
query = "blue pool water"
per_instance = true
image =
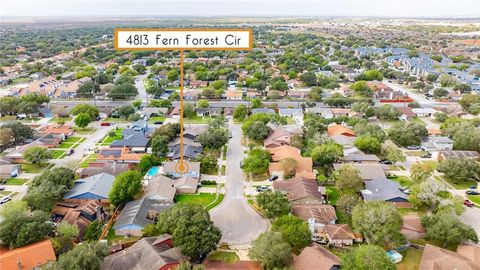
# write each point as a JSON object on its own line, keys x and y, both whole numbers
{"x": 152, "y": 171}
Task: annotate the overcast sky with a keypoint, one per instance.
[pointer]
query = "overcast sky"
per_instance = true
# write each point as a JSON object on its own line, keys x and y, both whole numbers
{"x": 382, "y": 8}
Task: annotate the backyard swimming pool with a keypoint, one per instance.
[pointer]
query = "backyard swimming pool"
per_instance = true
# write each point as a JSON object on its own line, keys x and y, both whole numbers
{"x": 152, "y": 171}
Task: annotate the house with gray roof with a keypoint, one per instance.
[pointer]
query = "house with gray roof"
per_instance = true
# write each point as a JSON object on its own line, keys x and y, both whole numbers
{"x": 367, "y": 171}
{"x": 149, "y": 253}
{"x": 94, "y": 187}
{"x": 263, "y": 110}
{"x": 383, "y": 189}
{"x": 437, "y": 143}
{"x": 191, "y": 149}
{"x": 136, "y": 140}
{"x": 295, "y": 112}
{"x": 138, "y": 127}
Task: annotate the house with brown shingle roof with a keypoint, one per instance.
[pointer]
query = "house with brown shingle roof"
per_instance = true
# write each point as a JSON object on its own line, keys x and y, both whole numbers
{"x": 27, "y": 257}
{"x": 336, "y": 129}
{"x": 436, "y": 258}
{"x": 300, "y": 190}
{"x": 339, "y": 234}
{"x": 303, "y": 166}
{"x": 276, "y": 138}
{"x": 471, "y": 252}
{"x": 316, "y": 257}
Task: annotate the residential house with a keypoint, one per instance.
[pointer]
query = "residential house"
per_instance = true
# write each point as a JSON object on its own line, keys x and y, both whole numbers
{"x": 139, "y": 127}
{"x": 300, "y": 190}
{"x": 317, "y": 215}
{"x": 339, "y": 234}
{"x": 340, "y": 112}
{"x": 228, "y": 112}
{"x": 16, "y": 154}
{"x": 276, "y": 138}
{"x": 175, "y": 112}
{"x": 361, "y": 158}
{"x": 303, "y": 166}
{"x": 471, "y": 252}
{"x": 406, "y": 113}
{"x": 94, "y": 187}
{"x": 437, "y": 143}
{"x": 367, "y": 171}
{"x": 382, "y": 189}
{"x": 50, "y": 140}
{"x": 149, "y": 253}
{"x": 8, "y": 170}
{"x": 31, "y": 256}
{"x": 191, "y": 132}
{"x": 233, "y": 95}
{"x": 336, "y": 129}
{"x": 316, "y": 257}
{"x": 435, "y": 258}
{"x": 424, "y": 112}
{"x": 62, "y": 131}
{"x": 197, "y": 84}
{"x": 298, "y": 94}
{"x": 460, "y": 154}
{"x": 294, "y": 113}
{"x": 119, "y": 155}
{"x": 81, "y": 215}
{"x": 136, "y": 142}
{"x": 169, "y": 168}
{"x": 434, "y": 132}
{"x": 202, "y": 112}
{"x": 263, "y": 110}
{"x": 322, "y": 111}
{"x": 191, "y": 149}
{"x": 112, "y": 168}
{"x": 412, "y": 227}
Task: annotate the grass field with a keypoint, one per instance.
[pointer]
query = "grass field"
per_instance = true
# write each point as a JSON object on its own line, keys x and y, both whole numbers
{"x": 15, "y": 181}
{"x": 215, "y": 203}
{"x": 86, "y": 130}
{"x": 60, "y": 119}
{"x": 333, "y": 195}
{"x": 228, "y": 257}
{"x": 224, "y": 169}
{"x": 411, "y": 259}
{"x": 474, "y": 198}
{"x": 73, "y": 139}
{"x": 197, "y": 120}
{"x": 65, "y": 145}
{"x": 203, "y": 199}
{"x": 461, "y": 184}
{"x": 404, "y": 181}
{"x": 90, "y": 158}
{"x": 34, "y": 168}
{"x": 107, "y": 140}
{"x": 119, "y": 239}
{"x": 156, "y": 118}
{"x": 414, "y": 153}
{"x": 57, "y": 154}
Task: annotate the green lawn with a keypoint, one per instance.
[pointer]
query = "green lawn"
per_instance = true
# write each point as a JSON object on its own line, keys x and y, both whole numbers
{"x": 407, "y": 211}
{"x": 333, "y": 195}
{"x": 15, "y": 181}
{"x": 411, "y": 259}
{"x": 65, "y": 145}
{"x": 414, "y": 153}
{"x": 7, "y": 118}
{"x": 216, "y": 202}
{"x": 259, "y": 177}
{"x": 404, "y": 181}
{"x": 432, "y": 163}
{"x": 60, "y": 119}
{"x": 20, "y": 80}
{"x": 119, "y": 239}
{"x": 474, "y": 198}
{"x": 156, "y": 118}
{"x": 90, "y": 158}
{"x": 422, "y": 241}
{"x": 461, "y": 184}
{"x": 57, "y": 154}
{"x": 107, "y": 140}
{"x": 73, "y": 139}
{"x": 115, "y": 120}
{"x": 224, "y": 169}
{"x": 33, "y": 168}
{"x": 197, "y": 120}
{"x": 4, "y": 192}
{"x": 224, "y": 153}
{"x": 418, "y": 121}
{"x": 203, "y": 199}
{"x": 229, "y": 257}
{"x": 86, "y": 130}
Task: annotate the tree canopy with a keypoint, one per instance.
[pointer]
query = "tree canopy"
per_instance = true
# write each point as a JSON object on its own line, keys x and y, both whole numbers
{"x": 275, "y": 204}
{"x": 125, "y": 187}
{"x": 271, "y": 250}
{"x": 367, "y": 257}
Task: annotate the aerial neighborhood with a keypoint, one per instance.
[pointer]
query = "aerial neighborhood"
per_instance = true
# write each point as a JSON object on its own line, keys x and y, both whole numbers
{"x": 332, "y": 144}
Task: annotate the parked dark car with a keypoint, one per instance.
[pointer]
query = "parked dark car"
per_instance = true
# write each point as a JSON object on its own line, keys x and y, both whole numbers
{"x": 413, "y": 147}
{"x": 472, "y": 192}
{"x": 385, "y": 161}
{"x": 273, "y": 178}
{"x": 428, "y": 155}
{"x": 158, "y": 122}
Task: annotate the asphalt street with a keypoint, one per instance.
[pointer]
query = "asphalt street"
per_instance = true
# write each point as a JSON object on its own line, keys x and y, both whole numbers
{"x": 239, "y": 222}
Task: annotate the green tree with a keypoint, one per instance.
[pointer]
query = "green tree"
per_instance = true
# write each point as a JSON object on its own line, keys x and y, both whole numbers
{"x": 367, "y": 257}
{"x": 447, "y": 80}
{"x": 447, "y": 228}
{"x": 172, "y": 75}
{"x": 387, "y": 112}
{"x": 240, "y": 112}
{"x": 257, "y": 130}
{"x": 439, "y": 93}
{"x": 122, "y": 91}
{"x": 85, "y": 108}
{"x": 214, "y": 138}
{"x": 160, "y": 145}
{"x": 36, "y": 154}
{"x": 407, "y": 134}
{"x": 125, "y": 111}
{"x": 294, "y": 231}
{"x": 309, "y": 79}
{"x": 192, "y": 230}
{"x": 189, "y": 266}
{"x": 87, "y": 89}
{"x": 93, "y": 231}
{"x": 24, "y": 227}
{"x": 66, "y": 233}
{"x": 470, "y": 103}
{"x": 379, "y": 222}
{"x": 21, "y": 132}
{"x": 326, "y": 154}
{"x": 370, "y": 75}
{"x": 346, "y": 203}
{"x": 188, "y": 110}
{"x": 275, "y": 204}
{"x": 271, "y": 250}
{"x": 348, "y": 180}
{"x": 208, "y": 164}
{"x": 256, "y": 103}
{"x": 430, "y": 193}
{"x": 369, "y": 145}
{"x": 362, "y": 88}
{"x": 148, "y": 161}
{"x": 82, "y": 120}
{"x": 419, "y": 172}
{"x": 316, "y": 93}
{"x": 125, "y": 187}
{"x": 87, "y": 256}
{"x": 203, "y": 103}
{"x": 460, "y": 169}
{"x": 392, "y": 152}
{"x": 137, "y": 103}
{"x": 257, "y": 161}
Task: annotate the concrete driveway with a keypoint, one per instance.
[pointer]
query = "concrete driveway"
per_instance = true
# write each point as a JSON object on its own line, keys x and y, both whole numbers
{"x": 237, "y": 220}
